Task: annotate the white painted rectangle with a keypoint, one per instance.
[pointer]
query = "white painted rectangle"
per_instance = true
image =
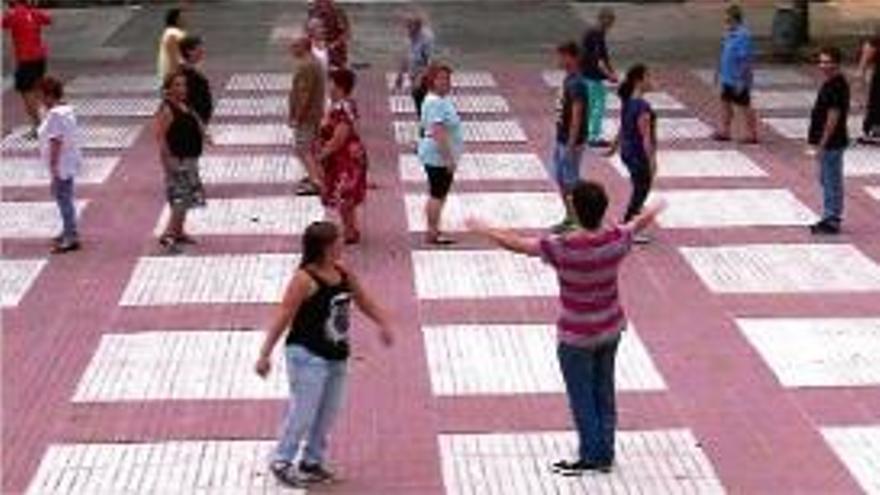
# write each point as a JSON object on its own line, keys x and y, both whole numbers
{"x": 102, "y": 84}
{"x": 460, "y": 79}
{"x": 260, "y": 81}
{"x": 182, "y": 466}
{"x": 31, "y": 171}
{"x": 784, "y": 268}
{"x": 481, "y": 167}
{"x": 861, "y": 162}
{"x": 797, "y": 127}
{"x": 263, "y": 106}
{"x": 837, "y": 352}
{"x": 16, "y": 277}
{"x": 115, "y": 107}
{"x": 859, "y": 449}
{"x": 518, "y": 359}
{"x": 245, "y": 278}
{"x": 180, "y": 365}
{"x": 668, "y": 128}
{"x": 778, "y": 100}
{"x": 765, "y": 76}
{"x": 251, "y": 168}
{"x": 480, "y": 274}
{"x": 489, "y": 131}
{"x": 32, "y": 219}
{"x": 463, "y": 103}
{"x": 657, "y": 461}
{"x": 874, "y": 191}
{"x": 518, "y": 210}
{"x": 91, "y": 137}
{"x": 252, "y": 134}
{"x": 700, "y": 164}
{"x": 280, "y": 215}
{"x": 720, "y": 208}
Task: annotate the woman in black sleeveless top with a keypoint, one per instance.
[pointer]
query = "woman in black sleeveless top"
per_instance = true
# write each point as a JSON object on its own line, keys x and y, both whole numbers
{"x": 316, "y": 310}
{"x": 180, "y": 135}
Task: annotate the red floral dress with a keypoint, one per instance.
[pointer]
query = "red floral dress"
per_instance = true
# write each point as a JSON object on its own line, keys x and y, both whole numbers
{"x": 345, "y": 171}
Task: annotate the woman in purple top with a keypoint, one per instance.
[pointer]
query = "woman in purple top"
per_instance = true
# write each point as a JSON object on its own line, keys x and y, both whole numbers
{"x": 637, "y": 138}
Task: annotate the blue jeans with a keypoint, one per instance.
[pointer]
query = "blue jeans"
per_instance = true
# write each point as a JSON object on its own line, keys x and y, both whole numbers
{"x": 62, "y": 191}
{"x": 316, "y": 389}
{"x": 589, "y": 382}
{"x": 831, "y": 179}
{"x": 566, "y": 169}
{"x": 597, "y": 93}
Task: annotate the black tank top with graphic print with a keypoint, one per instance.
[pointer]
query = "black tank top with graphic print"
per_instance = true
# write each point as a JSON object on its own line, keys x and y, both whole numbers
{"x": 322, "y": 321}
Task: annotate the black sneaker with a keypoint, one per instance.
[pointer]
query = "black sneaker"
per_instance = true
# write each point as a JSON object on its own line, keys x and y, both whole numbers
{"x": 315, "y": 473}
{"x": 577, "y": 468}
{"x": 66, "y": 247}
{"x": 825, "y": 228}
{"x": 286, "y": 474}
{"x": 599, "y": 143}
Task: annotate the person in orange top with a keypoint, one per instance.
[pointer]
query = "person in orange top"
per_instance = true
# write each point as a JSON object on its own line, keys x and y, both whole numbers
{"x": 25, "y": 24}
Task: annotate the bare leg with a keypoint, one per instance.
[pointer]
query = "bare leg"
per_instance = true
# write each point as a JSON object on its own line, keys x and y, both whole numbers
{"x": 751, "y": 123}
{"x": 32, "y": 107}
{"x": 313, "y": 171}
{"x": 726, "y": 119}
{"x": 349, "y": 224}
{"x": 433, "y": 209}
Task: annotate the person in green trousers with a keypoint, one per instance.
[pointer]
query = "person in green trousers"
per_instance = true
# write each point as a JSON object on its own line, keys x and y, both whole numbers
{"x": 596, "y": 69}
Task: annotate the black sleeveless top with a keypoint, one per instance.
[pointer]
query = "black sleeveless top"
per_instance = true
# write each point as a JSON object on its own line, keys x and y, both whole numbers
{"x": 322, "y": 321}
{"x": 184, "y": 135}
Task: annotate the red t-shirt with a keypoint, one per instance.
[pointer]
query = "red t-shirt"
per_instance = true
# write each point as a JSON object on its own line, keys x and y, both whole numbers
{"x": 25, "y": 24}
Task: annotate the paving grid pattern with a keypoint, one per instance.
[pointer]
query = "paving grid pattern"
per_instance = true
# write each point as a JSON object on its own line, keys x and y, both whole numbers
{"x": 480, "y": 274}
{"x": 780, "y": 100}
{"x": 114, "y": 137}
{"x": 278, "y": 215}
{"x": 262, "y": 106}
{"x": 874, "y": 191}
{"x": 32, "y": 219}
{"x": 222, "y": 466}
{"x": 260, "y": 81}
{"x": 481, "y": 167}
{"x": 700, "y": 164}
{"x": 518, "y": 359}
{"x": 460, "y": 79}
{"x": 463, "y": 103}
{"x": 784, "y": 268}
{"x": 179, "y": 365}
{"x": 668, "y": 128}
{"x": 31, "y": 171}
{"x": 16, "y": 278}
{"x": 859, "y": 448}
{"x": 829, "y": 352}
{"x": 262, "y": 168}
{"x": 251, "y": 134}
{"x": 102, "y": 84}
{"x": 717, "y": 208}
{"x": 115, "y": 107}
{"x": 764, "y": 77}
{"x": 797, "y": 127}
{"x": 520, "y": 210}
{"x": 488, "y": 131}
{"x": 658, "y": 461}
{"x": 861, "y": 162}
{"x": 254, "y": 278}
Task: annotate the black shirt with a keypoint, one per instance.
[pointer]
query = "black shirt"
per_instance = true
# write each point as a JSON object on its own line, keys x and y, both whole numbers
{"x": 593, "y": 50}
{"x": 322, "y": 321}
{"x": 184, "y": 135}
{"x": 834, "y": 94}
{"x": 573, "y": 91}
{"x": 198, "y": 93}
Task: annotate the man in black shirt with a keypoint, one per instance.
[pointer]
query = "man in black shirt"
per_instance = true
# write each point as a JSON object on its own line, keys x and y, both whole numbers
{"x": 828, "y": 134}
{"x": 596, "y": 68}
{"x": 198, "y": 90}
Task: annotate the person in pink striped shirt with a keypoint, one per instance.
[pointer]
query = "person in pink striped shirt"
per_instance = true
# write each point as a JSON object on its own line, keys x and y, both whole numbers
{"x": 591, "y": 318}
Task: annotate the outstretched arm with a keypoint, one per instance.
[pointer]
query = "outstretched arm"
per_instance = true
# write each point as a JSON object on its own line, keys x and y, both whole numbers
{"x": 646, "y": 217}
{"x": 505, "y": 238}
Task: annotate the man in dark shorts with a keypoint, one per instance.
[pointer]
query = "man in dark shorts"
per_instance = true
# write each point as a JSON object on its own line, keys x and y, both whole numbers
{"x": 25, "y": 24}
{"x": 735, "y": 76}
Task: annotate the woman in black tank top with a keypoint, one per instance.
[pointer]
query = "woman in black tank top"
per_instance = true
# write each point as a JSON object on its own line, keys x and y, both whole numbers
{"x": 316, "y": 310}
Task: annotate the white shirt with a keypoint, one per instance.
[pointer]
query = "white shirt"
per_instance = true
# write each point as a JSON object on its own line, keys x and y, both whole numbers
{"x": 164, "y": 63}
{"x": 60, "y": 122}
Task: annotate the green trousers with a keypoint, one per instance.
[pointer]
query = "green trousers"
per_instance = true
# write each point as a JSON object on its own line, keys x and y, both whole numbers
{"x": 596, "y": 95}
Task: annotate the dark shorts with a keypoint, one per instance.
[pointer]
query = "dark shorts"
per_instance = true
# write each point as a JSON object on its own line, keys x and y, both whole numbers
{"x": 28, "y": 74}
{"x": 742, "y": 98}
{"x": 439, "y": 181}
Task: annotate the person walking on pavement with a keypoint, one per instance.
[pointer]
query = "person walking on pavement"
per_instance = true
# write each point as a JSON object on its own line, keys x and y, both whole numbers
{"x": 343, "y": 156}
{"x": 306, "y": 109}
{"x": 869, "y": 72}
{"x": 60, "y": 151}
{"x": 420, "y": 52}
{"x": 736, "y": 77}
{"x": 337, "y": 30}
{"x": 591, "y": 317}
{"x": 198, "y": 88}
{"x": 169, "y": 57}
{"x": 572, "y": 113}
{"x": 314, "y": 319}
{"x": 829, "y": 136}
{"x": 637, "y": 139}
{"x": 596, "y": 70}
{"x": 25, "y": 25}
{"x": 180, "y": 135}
{"x": 440, "y": 147}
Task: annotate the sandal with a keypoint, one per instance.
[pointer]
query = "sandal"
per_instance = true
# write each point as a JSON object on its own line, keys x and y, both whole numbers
{"x": 440, "y": 240}
{"x": 717, "y": 136}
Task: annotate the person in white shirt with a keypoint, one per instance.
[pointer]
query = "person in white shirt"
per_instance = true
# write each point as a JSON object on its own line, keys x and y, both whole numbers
{"x": 169, "y": 58}
{"x": 58, "y": 135}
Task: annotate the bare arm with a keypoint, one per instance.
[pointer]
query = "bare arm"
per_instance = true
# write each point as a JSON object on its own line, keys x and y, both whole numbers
{"x": 340, "y": 135}
{"x": 54, "y": 155}
{"x": 506, "y": 238}
{"x": 644, "y": 219}
{"x": 830, "y": 123}
{"x": 444, "y": 143}
{"x": 372, "y": 309}
{"x": 297, "y": 291}
{"x": 648, "y": 141}
{"x": 163, "y": 122}
{"x": 869, "y": 53}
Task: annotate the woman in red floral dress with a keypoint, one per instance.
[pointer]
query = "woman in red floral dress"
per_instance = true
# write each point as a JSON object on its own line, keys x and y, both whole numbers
{"x": 343, "y": 155}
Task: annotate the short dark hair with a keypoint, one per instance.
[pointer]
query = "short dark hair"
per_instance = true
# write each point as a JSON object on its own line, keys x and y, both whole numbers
{"x": 52, "y": 86}
{"x": 833, "y": 53}
{"x": 344, "y": 78}
{"x": 172, "y": 17}
{"x": 735, "y": 13}
{"x": 188, "y": 44}
{"x": 590, "y": 201}
{"x": 434, "y": 70}
{"x": 569, "y": 48}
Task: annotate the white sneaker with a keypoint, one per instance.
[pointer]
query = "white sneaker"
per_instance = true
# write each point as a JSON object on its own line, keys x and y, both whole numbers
{"x": 642, "y": 239}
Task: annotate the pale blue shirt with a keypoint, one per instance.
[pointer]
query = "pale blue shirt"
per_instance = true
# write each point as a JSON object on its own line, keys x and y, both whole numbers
{"x": 439, "y": 110}
{"x": 735, "y": 68}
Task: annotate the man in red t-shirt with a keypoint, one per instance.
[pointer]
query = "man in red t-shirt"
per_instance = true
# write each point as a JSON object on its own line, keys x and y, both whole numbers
{"x": 25, "y": 24}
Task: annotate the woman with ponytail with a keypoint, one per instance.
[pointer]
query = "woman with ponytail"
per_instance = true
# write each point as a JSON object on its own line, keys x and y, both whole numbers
{"x": 637, "y": 138}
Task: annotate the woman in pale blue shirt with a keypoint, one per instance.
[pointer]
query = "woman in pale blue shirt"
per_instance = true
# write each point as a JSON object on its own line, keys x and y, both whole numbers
{"x": 441, "y": 146}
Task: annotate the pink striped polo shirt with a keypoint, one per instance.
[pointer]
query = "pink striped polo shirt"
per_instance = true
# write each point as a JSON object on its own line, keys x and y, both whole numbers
{"x": 587, "y": 266}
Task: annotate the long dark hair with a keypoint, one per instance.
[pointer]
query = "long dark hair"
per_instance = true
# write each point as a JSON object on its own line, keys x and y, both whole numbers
{"x": 316, "y": 239}
{"x": 634, "y": 75}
